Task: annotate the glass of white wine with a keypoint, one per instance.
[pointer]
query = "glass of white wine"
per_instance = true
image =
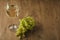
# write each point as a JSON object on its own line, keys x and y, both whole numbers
{"x": 12, "y": 12}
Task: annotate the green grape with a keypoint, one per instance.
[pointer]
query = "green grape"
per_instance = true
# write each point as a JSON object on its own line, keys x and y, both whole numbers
{"x": 26, "y": 23}
{"x": 20, "y": 30}
{"x": 29, "y": 23}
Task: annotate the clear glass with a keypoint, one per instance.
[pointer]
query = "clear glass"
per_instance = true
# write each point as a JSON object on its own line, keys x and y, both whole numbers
{"x": 12, "y": 12}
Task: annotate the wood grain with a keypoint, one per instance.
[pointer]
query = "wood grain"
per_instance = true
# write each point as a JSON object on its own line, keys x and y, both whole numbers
{"x": 45, "y": 12}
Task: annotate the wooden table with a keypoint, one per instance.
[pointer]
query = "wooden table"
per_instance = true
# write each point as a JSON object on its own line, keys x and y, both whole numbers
{"x": 45, "y": 12}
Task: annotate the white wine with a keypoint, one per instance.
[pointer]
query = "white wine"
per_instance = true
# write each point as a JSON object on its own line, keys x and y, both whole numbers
{"x": 11, "y": 11}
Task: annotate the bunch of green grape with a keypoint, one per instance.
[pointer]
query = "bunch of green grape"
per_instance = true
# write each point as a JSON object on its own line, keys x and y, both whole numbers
{"x": 26, "y": 24}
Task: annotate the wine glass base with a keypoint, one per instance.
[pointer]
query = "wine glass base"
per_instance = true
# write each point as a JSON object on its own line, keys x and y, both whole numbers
{"x": 12, "y": 27}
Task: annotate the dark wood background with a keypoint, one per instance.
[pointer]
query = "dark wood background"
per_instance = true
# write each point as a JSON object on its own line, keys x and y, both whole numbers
{"x": 45, "y": 12}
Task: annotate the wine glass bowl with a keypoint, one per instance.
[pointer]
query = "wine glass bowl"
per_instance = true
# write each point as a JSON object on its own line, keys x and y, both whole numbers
{"x": 12, "y": 10}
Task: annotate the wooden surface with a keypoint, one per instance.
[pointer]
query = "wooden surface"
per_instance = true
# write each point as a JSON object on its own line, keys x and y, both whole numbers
{"x": 45, "y": 12}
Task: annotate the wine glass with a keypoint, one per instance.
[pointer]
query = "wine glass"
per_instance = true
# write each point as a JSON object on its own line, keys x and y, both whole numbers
{"x": 12, "y": 12}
